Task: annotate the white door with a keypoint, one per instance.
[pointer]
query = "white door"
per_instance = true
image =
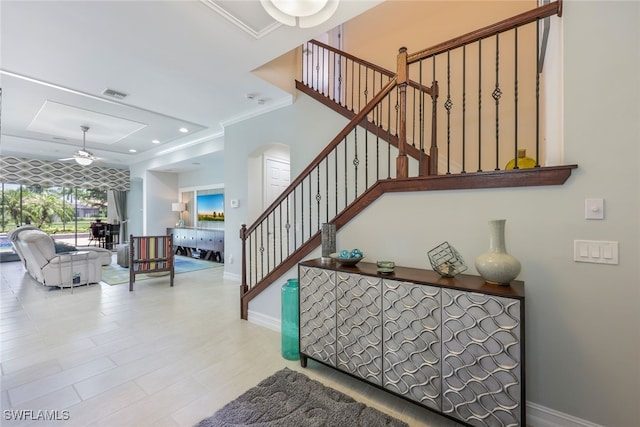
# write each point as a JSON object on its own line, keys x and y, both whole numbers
{"x": 277, "y": 179}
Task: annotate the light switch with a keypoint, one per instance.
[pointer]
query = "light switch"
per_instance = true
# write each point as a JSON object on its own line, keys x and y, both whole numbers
{"x": 596, "y": 251}
{"x": 583, "y": 251}
{"x": 594, "y": 208}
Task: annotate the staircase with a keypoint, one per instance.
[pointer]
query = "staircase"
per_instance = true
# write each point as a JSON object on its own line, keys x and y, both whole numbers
{"x": 392, "y": 142}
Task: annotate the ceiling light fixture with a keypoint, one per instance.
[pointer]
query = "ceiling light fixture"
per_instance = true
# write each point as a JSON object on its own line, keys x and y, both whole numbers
{"x": 84, "y": 161}
{"x": 83, "y": 157}
{"x": 303, "y": 13}
{"x": 184, "y": 130}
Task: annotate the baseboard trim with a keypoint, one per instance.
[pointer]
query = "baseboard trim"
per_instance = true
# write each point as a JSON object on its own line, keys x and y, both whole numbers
{"x": 264, "y": 320}
{"x": 540, "y": 416}
{"x": 232, "y": 276}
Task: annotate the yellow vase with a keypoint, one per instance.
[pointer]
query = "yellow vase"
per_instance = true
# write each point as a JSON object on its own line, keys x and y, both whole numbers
{"x": 524, "y": 162}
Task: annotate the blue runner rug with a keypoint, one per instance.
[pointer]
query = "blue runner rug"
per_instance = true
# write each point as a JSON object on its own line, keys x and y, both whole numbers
{"x": 113, "y": 274}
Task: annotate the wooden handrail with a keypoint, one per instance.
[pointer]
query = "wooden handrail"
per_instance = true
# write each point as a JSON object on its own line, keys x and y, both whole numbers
{"x": 324, "y": 153}
{"x": 528, "y": 17}
{"x": 375, "y": 67}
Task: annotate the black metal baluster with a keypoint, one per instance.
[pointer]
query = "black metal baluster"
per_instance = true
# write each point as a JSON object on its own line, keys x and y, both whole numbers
{"x": 318, "y": 196}
{"x": 261, "y": 252}
{"x": 250, "y": 264}
{"x": 479, "y": 105}
{"x": 516, "y": 98}
{"x": 421, "y": 112}
{"x": 356, "y": 162}
{"x": 267, "y": 245}
{"x": 317, "y": 83}
{"x": 288, "y": 227}
{"x": 378, "y": 111}
{"x": 537, "y": 96}
{"x": 359, "y": 87}
{"x": 301, "y": 212}
{"x": 310, "y": 205}
{"x": 346, "y": 168}
{"x": 464, "y": 107}
{"x": 413, "y": 112}
{"x": 353, "y": 79}
{"x": 448, "y": 105}
{"x": 366, "y": 159}
{"x": 341, "y": 76}
{"x": 496, "y": 96}
{"x": 326, "y": 187}
{"x": 306, "y": 60}
{"x": 389, "y": 137}
{"x": 332, "y": 78}
{"x": 280, "y": 229}
{"x": 321, "y": 71}
{"x": 335, "y": 171}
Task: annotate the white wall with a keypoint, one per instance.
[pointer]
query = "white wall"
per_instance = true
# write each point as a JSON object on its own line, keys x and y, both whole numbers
{"x": 583, "y": 321}
{"x": 160, "y": 191}
{"x": 211, "y": 173}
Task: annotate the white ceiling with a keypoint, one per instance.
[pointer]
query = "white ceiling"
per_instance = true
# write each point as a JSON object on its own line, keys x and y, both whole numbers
{"x": 182, "y": 63}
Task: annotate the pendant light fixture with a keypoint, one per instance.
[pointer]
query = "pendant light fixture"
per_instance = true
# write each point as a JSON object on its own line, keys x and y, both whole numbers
{"x": 301, "y": 13}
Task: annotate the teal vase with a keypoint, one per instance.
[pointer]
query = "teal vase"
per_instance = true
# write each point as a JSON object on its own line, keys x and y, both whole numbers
{"x": 290, "y": 320}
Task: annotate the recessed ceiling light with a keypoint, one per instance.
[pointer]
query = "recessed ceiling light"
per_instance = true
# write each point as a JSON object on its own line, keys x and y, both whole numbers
{"x": 155, "y": 141}
{"x": 184, "y": 130}
{"x": 133, "y": 151}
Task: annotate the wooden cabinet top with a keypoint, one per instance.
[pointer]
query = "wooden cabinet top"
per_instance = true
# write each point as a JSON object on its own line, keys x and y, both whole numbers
{"x": 463, "y": 282}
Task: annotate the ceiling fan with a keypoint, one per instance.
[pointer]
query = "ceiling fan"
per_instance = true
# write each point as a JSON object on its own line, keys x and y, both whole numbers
{"x": 83, "y": 157}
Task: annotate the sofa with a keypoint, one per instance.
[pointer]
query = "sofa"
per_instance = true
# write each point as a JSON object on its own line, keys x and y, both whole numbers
{"x": 37, "y": 252}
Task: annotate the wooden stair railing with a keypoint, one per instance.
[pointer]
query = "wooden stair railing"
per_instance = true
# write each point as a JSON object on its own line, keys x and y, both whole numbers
{"x": 348, "y": 82}
{"x": 334, "y": 187}
{"x": 279, "y": 237}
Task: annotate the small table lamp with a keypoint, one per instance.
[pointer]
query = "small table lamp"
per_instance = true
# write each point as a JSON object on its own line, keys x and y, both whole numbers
{"x": 179, "y": 207}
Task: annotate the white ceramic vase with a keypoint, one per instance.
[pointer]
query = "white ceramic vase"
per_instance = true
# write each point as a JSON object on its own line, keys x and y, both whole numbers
{"x": 496, "y": 266}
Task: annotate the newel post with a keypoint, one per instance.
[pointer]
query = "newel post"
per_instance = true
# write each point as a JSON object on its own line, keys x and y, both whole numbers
{"x": 244, "y": 288}
{"x": 433, "y": 150}
{"x": 402, "y": 164}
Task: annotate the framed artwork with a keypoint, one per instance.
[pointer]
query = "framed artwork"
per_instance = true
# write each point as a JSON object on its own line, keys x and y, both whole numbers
{"x": 210, "y": 207}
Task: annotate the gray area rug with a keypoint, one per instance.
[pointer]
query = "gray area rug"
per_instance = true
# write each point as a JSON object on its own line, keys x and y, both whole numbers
{"x": 291, "y": 399}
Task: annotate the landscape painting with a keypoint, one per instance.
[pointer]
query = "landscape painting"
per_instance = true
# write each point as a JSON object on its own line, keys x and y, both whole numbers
{"x": 210, "y": 207}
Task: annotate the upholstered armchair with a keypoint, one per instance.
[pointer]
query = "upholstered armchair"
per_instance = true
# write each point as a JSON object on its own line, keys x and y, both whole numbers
{"x": 38, "y": 253}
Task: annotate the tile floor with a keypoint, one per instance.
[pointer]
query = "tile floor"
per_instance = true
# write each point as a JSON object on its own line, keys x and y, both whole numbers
{"x": 161, "y": 356}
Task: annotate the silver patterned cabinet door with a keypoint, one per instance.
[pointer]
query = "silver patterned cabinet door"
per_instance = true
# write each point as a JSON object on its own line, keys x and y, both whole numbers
{"x": 317, "y": 314}
{"x": 359, "y": 345}
{"x": 411, "y": 348}
{"x": 481, "y": 362}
